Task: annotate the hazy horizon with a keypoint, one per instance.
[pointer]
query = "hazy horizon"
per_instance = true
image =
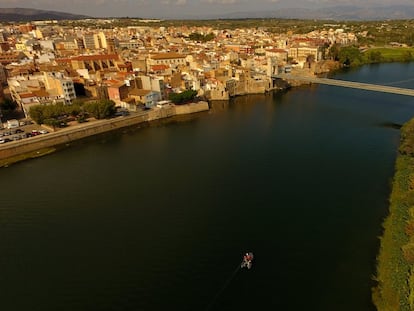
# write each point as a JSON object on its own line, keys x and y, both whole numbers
{"x": 184, "y": 8}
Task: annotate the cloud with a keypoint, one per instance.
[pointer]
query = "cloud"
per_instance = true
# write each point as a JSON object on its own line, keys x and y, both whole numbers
{"x": 174, "y": 2}
{"x": 222, "y": 1}
{"x": 181, "y": 8}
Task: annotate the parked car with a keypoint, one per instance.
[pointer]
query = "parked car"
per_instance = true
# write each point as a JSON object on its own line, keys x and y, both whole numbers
{"x": 43, "y": 132}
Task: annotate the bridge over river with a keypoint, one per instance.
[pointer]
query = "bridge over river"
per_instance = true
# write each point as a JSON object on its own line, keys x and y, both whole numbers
{"x": 350, "y": 84}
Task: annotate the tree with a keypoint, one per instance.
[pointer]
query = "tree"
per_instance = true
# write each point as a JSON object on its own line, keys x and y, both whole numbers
{"x": 310, "y": 59}
{"x": 8, "y": 105}
{"x": 334, "y": 52}
{"x": 36, "y": 113}
{"x": 183, "y": 97}
{"x": 106, "y": 108}
{"x": 195, "y": 36}
{"x": 375, "y": 56}
{"x": 100, "y": 109}
{"x": 350, "y": 56}
{"x": 53, "y": 122}
{"x": 407, "y": 56}
{"x": 74, "y": 109}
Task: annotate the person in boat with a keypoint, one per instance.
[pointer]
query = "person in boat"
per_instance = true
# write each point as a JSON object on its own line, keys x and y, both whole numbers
{"x": 247, "y": 257}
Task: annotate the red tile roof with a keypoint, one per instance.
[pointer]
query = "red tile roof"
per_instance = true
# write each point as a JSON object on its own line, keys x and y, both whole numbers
{"x": 26, "y": 95}
{"x": 167, "y": 56}
{"x": 90, "y": 58}
{"x": 159, "y": 67}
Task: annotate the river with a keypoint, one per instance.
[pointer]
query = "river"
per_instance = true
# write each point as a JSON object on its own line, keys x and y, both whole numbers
{"x": 158, "y": 218}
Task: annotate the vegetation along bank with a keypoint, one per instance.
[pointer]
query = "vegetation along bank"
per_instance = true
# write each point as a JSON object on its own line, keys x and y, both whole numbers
{"x": 395, "y": 277}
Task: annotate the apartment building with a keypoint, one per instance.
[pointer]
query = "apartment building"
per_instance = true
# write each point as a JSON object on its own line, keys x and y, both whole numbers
{"x": 58, "y": 84}
{"x": 90, "y": 41}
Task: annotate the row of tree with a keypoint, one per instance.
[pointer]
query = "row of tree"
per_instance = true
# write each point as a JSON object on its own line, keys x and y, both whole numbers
{"x": 57, "y": 115}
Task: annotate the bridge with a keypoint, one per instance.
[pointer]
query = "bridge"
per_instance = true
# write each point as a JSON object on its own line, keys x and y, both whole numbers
{"x": 349, "y": 84}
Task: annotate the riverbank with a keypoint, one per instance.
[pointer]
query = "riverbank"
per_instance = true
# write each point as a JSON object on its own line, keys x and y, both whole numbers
{"x": 20, "y": 150}
{"x": 395, "y": 277}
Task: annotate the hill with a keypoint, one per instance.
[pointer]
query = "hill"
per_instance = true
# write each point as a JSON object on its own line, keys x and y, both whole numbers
{"x": 348, "y": 12}
{"x": 24, "y": 14}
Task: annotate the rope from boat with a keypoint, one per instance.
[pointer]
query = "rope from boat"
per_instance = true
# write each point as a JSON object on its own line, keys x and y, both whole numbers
{"x": 397, "y": 82}
{"x": 226, "y": 284}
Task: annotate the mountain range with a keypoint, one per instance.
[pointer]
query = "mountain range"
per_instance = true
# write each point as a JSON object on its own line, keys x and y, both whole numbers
{"x": 24, "y": 14}
{"x": 349, "y": 12}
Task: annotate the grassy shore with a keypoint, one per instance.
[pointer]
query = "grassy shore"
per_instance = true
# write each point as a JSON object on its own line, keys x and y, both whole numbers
{"x": 395, "y": 274}
{"x": 27, "y": 156}
{"x": 391, "y": 54}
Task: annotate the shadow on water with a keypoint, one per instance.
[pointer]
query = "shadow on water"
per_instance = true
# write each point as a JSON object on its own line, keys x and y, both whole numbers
{"x": 390, "y": 125}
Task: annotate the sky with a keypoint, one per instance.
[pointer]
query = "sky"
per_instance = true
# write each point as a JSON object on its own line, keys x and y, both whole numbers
{"x": 181, "y": 8}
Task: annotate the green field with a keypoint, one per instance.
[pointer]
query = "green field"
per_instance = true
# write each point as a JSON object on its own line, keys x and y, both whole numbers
{"x": 392, "y": 54}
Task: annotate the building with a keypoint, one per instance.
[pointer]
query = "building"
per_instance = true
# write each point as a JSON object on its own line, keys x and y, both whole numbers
{"x": 13, "y": 57}
{"x": 152, "y": 83}
{"x": 170, "y": 59}
{"x": 91, "y": 62}
{"x": 146, "y": 97}
{"x": 280, "y": 54}
{"x": 102, "y": 42}
{"x": 63, "y": 87}
{"x": 90, "y": 41}
{"x": 302, "y": 53}
{"x": 117, "y": 90}
{"x": 95, "y": 41}
{"x": 47, "y": 45}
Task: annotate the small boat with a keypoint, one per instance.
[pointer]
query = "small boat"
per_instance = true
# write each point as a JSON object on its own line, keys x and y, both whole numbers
{"x": 247, "y": 260}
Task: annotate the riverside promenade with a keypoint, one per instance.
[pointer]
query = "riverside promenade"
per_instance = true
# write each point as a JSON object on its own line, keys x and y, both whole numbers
{"x": 95, "y": 127}
{"x": 349, "y": 84}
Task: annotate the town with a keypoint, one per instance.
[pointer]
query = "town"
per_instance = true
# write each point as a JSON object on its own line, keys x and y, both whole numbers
{"x": 137, "y": 66}
{"x": 181, "y": 135}
{"x": 145, "y": 67}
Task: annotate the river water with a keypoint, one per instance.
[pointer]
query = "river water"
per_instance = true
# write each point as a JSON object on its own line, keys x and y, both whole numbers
{"x": 158, "y": 218}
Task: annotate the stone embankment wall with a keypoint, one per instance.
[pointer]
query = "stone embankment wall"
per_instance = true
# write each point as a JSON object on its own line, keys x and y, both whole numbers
{"x": 191, "y": 108}
{"x": 67, "y": 135}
